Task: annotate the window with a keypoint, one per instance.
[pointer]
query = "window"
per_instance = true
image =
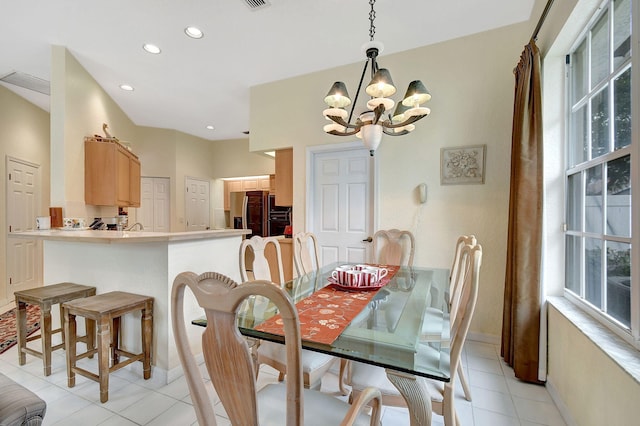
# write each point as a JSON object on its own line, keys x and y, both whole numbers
{"x": 599, "y": 160}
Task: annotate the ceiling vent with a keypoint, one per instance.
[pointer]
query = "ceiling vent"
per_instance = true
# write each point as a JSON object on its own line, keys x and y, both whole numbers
{"x": 27, "y": 81}
{"x": 257, "y": 4}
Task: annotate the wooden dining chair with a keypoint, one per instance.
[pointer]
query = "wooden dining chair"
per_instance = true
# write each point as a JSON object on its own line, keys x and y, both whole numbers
{"x": 314, "y": 364}
{"x": 229, "y": 363}
{"x": 442, "y": 394}
{"x": 453, "y": 281}
{"x": 305, "y": 253}
{"x": 254, "y": 264}
{"x": 394, "y": 247}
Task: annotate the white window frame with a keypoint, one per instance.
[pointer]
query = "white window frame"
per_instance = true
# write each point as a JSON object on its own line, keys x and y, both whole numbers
{"x": 631, "y": 335}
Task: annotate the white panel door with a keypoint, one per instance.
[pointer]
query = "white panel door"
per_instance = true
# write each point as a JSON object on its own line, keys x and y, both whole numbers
{"x": 197, "y": 210}
{"x": 155, "y": 209}
{"x": 341, "y": 203}
{"x": 24, "y": 256}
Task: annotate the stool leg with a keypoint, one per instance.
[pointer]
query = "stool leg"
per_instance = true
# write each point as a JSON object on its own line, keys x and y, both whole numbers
{"x": 70, "y": 346}
{"x": 21, "y": 325}
{"x": 104, "y": 335}
{"x": 90, "y": 327}
{"x": 45, "y": 333}
{"x": 147, "y": 338}
{"x": 115, "y": 340}
{"x": 62, "y": 323}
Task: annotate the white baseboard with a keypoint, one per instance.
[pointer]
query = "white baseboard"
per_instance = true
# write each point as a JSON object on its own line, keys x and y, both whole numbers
{"x": 555, "y": 396}
{"x": 484, "y": 338}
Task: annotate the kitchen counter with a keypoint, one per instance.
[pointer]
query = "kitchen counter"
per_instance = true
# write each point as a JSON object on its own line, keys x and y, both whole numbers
{"x": 118, "y": 237}
{"x": 144, "y": 263}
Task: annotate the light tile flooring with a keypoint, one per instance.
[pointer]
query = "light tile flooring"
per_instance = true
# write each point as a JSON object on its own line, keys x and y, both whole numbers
{"x": 498, "y": 398}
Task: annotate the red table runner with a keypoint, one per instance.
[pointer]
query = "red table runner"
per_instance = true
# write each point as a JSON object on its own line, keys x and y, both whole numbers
{"x": 327, "y": 312}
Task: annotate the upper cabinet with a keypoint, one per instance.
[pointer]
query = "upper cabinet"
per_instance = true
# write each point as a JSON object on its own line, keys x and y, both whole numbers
{"x": 246, "y": 184}
{"x": 284, "y": 177}
{"x": 111, "y": 174}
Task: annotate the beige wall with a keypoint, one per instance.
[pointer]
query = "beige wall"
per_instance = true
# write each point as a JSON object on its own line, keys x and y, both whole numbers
{"x": 245, "y": 163}
{"x": 471, "y": 81}
{"x": 594, "y": 389}
{"x": 24, "y": 135}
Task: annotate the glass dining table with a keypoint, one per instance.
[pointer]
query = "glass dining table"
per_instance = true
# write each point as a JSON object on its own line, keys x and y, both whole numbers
{"x": 403, "y": 328}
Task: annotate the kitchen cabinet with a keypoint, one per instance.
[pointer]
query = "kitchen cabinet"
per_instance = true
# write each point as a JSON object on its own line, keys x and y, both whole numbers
{"x": 284, "y": 177}
{"x": 243, "y": 185}
{"x": 111, "y": 174}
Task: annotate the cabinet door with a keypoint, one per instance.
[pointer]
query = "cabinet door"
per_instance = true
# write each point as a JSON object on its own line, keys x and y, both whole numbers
{"x": 264, "y": 184}
{"x": 235, "y": 186}
{"x": 123, "y": 182}
{"x": 100, "y": 163}
{"x": 227, "y": 196}
{"x": 284, "y": 177}
{"x": 250, "y": 184}
{"x": 134, "y": 181}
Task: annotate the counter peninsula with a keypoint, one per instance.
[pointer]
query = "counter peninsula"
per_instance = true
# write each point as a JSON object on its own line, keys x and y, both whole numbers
{"x": 144, "y": 263}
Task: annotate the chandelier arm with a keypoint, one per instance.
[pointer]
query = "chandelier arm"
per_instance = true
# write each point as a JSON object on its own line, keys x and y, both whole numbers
{"x": 389, "y": 125}
{"x": 337, "y": 133}
{"x": 391, "y": 133}
{"x": 340, "y": 121}
{"x": 355, "y": 100}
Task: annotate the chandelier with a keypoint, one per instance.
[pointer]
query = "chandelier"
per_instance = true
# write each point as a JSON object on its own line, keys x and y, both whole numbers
{"x": 371, "y": 124}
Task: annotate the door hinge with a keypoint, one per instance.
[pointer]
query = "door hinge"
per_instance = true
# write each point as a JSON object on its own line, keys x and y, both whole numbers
{"x": 9, "y": 228}
{"x": 10, "y": 280}
{"x": 9, "y": 176}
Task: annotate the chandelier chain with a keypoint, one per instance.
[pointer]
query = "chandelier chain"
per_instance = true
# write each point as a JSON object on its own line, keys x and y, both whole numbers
{"x": 372, "y": 17}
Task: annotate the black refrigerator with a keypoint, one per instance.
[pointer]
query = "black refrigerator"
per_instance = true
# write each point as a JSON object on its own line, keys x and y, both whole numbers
{"x": 250, "y": 210}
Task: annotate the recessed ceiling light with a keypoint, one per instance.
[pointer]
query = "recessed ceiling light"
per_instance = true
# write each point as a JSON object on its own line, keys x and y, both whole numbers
{"x": 193, "y": 32}
{"x": 126, "y": 87}
{"x": 151, "y": 48}
{"x": 210, "y": 127}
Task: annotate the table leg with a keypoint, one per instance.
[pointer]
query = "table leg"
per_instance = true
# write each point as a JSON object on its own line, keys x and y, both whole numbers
{"x": 104, "y": 340}
{"x": 21, "y": 323}
{"x": 45, "y": 335}
{"x": 415, "y": 393}
{"x": 147, "y": 338}
{"x": 70, "y": 346}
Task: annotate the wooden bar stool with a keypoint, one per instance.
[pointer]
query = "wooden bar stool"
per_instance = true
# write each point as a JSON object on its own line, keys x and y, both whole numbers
{"x": 106, "y": 310}
{"x": 44, "y": 297}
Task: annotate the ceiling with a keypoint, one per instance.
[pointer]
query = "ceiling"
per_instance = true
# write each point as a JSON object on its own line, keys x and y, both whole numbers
{"x": 195, "y": 83}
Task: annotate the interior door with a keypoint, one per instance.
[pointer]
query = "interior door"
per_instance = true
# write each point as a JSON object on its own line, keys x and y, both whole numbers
{"x": 155, "y": 208}
{"x": 24, "y": 256}
{"x": 341, "y": 202}
{"x": 198, "y": 204}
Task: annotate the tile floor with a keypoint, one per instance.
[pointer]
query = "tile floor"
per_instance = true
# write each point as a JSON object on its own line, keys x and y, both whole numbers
{"x": 498, "y": 398}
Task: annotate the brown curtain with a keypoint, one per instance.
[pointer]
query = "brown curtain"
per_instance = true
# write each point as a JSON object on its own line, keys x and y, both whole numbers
{"x": 521, "y": 315}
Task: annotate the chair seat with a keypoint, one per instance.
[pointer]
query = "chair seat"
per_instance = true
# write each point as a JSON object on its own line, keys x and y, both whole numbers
{"x": 311, "y": 360}
{"x": 319, "y": 409}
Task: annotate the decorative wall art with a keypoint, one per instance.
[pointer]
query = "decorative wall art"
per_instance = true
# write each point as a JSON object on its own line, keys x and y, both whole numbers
{"x": 462, "y": 165}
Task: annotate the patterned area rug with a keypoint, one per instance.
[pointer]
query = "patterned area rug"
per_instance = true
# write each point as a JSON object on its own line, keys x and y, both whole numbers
{"x": 8, "y": 332}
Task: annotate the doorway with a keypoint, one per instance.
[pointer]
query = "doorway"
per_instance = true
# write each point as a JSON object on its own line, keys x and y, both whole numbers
{"x": 197, "y": 196}
{"x": 341, "y": 201}
{"x": 24, "y": 256}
